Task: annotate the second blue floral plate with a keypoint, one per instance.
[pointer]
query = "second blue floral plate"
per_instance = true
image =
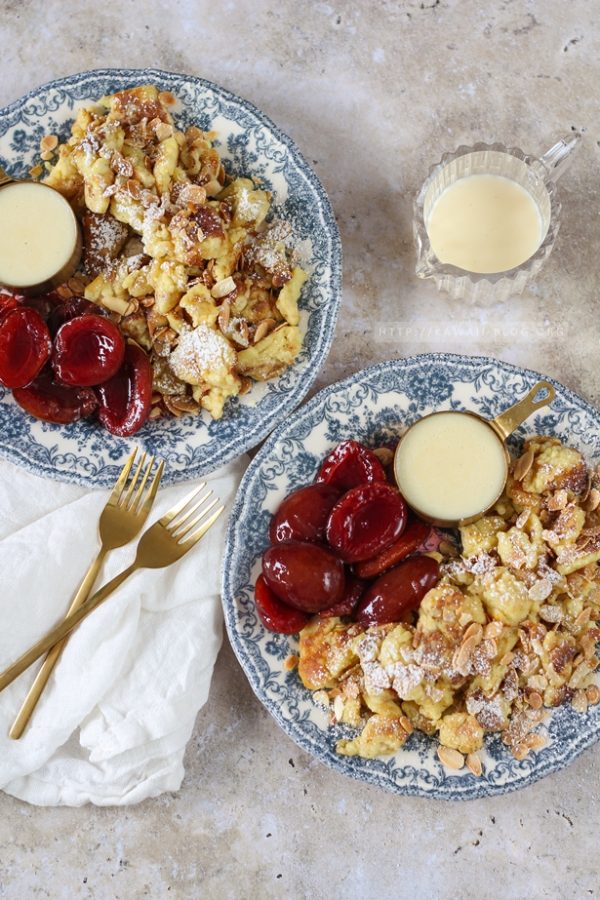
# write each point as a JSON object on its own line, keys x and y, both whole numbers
{"x": 376, "y": 406}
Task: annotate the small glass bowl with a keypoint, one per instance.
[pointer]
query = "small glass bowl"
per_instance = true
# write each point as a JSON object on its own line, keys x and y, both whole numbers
{"x": 537, "y": 176}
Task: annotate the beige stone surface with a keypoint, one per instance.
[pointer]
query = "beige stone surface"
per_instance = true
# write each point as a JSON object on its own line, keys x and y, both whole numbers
{"x": 373, "y": 93}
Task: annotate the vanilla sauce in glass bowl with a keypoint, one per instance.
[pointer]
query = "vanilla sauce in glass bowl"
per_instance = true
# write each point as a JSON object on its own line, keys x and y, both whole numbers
{"x": 485, "y": 224}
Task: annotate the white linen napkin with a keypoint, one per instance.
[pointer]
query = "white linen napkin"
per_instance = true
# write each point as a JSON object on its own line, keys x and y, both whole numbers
{"x": 112, "y": 725}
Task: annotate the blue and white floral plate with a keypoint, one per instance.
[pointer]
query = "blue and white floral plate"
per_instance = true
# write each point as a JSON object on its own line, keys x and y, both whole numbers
{"x": 251, "y": 145}
{"x": 374, "y": 406}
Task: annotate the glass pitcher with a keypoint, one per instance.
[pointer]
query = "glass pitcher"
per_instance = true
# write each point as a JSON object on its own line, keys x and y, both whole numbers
{"x": 537, "y": 176}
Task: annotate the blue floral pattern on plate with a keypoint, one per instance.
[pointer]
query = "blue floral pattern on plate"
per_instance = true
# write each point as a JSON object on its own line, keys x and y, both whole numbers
{"x": 250, "y": 145}
{"x": 374, "y": 406}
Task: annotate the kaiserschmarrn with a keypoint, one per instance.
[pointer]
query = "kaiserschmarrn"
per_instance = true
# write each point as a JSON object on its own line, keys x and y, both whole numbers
{"x": 510, "y": 629}
{"x": 178, "y": 251}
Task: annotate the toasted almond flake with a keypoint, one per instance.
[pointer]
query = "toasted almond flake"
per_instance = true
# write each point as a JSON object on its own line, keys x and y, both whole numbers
{"x": 322, "y": 698}
{"x": 133, "y": 188}
{"x": 76, "y": 285}
{"x": 474, "y": 764}
{"x": 406, "y": 724}
{"x": 47, "y": 155}
{"x": 537, "y": 682}
{"x": 588, "y": 645}
{"x": 35, "y": 171}
{"x": 493, "y": 630}
{"x": 433, "y": 554}
{"x": 448, "y": 548}
{"x": 223, "y": 317}
{"x": 593, "y": 694}
{"x": 291, "y": 662}
{"x": 535, "y": 700}
{"x": 338, "y": 707}
{"x": 262, "y": 330}
{"x": 49, "y": 142}
{"x": 166, "y": 98}
{"x": 583, "y": 617}
{"x": 384, "y": 455}
{"x": 163, "y": 131}
{"x": 64, "y": 292}
{"x": 593, "y": 500}
{"x": 534, "y": 741}
{"x": 580, "y": 701}
{"x": 523, "y": 465}
{"x": 192, "y": 193}
{"x": 507, "y": 658}
{"x": 450, "y": 758}
{"x": 474, "y": 630}
{"x": 223, "y": 287}
{"x": 558, "y": 500}
{"x": 520, "y": 751}
{"x": 155, "y": 413}
{"x": 464, "y": 654}
{"x": 522, "y": 519}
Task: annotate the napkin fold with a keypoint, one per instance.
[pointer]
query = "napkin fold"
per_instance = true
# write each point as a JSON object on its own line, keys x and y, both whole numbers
{"x": 112, "y": 725}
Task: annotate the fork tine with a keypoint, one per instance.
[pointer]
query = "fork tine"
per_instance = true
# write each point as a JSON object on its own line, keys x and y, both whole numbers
{"x": 140, "y": 490}
{"x": 182, "y": 517}
{"x": 133, "y": 481}
{"x": 200, "y": 532}
{"x": 170, "y": 515}
{"x": 148, "y": 500}
{"x": 187, "y": 526}
{"x": 121, "y": 481}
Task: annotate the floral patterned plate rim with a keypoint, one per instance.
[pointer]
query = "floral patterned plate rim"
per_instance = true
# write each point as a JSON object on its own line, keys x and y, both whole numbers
{"x": 369, "y": 406}
{"x": 252, "y": 145}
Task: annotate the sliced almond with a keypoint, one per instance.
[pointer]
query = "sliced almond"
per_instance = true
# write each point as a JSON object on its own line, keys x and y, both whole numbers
{"x": 338, "y": 707}
{"x": 262, "y": 330}
{"x": 48, "y": 143}
{"x": 447, "y": 548}
{"x": 593, "y": 500}
{"x": 192, "y": 193}
{"x": 163, "y": 131}
{"x": 223, "y": 287}
{"x": 406, "y": 724}
{"x": 523, "y": 465}
{"x": 535, "y": 700}
{"x": 493, "y": 630}
{"x": 223, "y": 317}
{"x": 593, "y": 694}
{"x": 583, "y": 618}
{"x": 474, "y": 630}
{"x": 580, "y": 701}
{"x": 462, "y": 657}
{"x": 384, "y": 455}
{"x": 474, "y": 764}
{"x": 46, "y": 155}
{"x": 35, "y": 171}
{"x": 133, "y": 188}
{"x": 291, "y": 662}
{"x": 588, "y": 645}
{"x": 450, "y": 758}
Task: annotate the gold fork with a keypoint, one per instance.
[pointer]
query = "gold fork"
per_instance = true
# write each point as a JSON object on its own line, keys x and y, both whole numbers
{"x": 162, "y": 544}
{"x": 121, "y": 519}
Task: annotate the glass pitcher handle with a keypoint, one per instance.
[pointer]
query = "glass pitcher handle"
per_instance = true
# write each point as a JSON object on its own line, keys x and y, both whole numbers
{"x": 558, "y": 158}
{"x": 511, "y": 418}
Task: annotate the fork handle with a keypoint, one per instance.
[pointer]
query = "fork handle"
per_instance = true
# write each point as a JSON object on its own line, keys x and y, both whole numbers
{"x": 63, "y": 628}
{"x": 37, "y": 688}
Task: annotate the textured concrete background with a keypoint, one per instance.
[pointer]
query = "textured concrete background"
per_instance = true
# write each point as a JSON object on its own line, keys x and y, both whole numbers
{"x": 373, "y": 93}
